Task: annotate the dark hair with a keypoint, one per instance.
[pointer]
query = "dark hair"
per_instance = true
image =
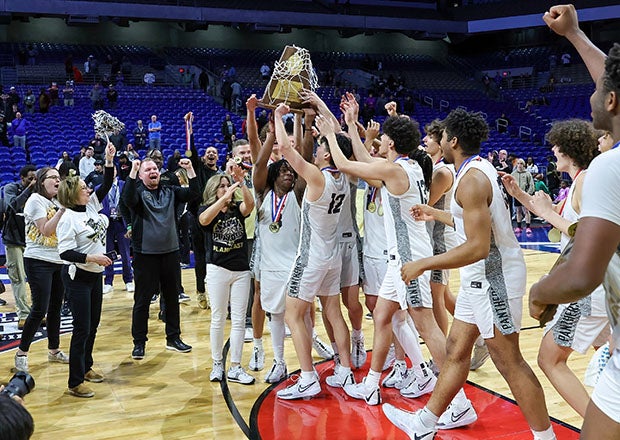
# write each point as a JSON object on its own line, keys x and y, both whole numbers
{"x": 576, "y": 138}
{"x": 26, "y": 169}
{"x": 469, "y": 128}
{"x": 426, "y": 163}
{"x": 273, "y": 170}
{"x": 344, "y": 142}
{"x": 16, "y": 422}
{"x": 65, "y": 168}
{"x": 434, "y": 129}
{"x": 41, "y": 174}
{"x": 611, "y": 78}
{"x": 404, "y": 132}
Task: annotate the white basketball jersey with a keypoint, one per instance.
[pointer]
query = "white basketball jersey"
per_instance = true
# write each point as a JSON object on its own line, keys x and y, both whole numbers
{"x": 407, "y": 239}
{"x": 374, "y": 228}
{"x": 278, "y": 246}
{"x": 443, "y": 237}
{"x": 503, "y": 270}
{"x": 347, "y": 224}
{"x": 318, "y": 244}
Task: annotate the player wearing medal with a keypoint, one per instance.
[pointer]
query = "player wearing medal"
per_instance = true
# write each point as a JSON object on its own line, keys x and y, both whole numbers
{"x": 402, "y": 184}
{"x": 317, "y": 265}
{"x": 279, "y": 196}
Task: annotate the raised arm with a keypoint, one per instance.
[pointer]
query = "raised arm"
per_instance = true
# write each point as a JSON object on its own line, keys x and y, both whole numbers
{"x": 252, "y": 127}
{"x": 562, "y": 19}
{"x": 309, "y": 172}
{"x": 259, "y": 170}
{"x": 350, "y": 108}
{"x": 108, "y": 172}
{"x": 321, "y": 108}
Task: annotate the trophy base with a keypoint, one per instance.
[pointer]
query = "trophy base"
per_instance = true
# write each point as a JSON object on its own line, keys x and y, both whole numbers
{"x": 273, "y": 107}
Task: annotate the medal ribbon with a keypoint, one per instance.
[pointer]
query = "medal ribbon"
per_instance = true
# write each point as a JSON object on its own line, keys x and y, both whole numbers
{"x": 616, "y": 145}
{"x": 277, "y": 206}
{"x": 564, "y": 204}
{"x": 469, "y": 159}
{"x": 330, "y": 169}
{"x": 401, "y": 157}
{"x": 372, "y": 195}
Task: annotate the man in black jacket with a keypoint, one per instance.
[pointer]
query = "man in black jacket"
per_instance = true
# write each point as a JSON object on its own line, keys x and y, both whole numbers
{"x": 14, "y": 237}
{"x": 156, "y": 248}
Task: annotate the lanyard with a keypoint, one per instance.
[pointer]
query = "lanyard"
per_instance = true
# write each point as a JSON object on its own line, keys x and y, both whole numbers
{"x": 469, "y": 159}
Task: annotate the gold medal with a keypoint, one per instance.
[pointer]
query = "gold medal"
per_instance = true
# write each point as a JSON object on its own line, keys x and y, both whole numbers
{"x": 554, "y": 235}
{"x": 274, "y": 227}
{"x": 372, "y": 207}
{"x": 188, "y": 153}
{"x": 380, "y": 211}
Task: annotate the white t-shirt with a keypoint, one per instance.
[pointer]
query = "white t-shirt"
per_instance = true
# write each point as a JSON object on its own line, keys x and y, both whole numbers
{"x": 83, "y": 232}
{"x": 39, "y": 246}
{"x": 601, "y": 199}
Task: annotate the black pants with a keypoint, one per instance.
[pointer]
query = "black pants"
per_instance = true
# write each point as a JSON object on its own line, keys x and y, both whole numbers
{"x": 86, "y": 298}
{"x": 200, "y": 255}
{"x": 46, "y": 290}
{"x": 152, "y": 272}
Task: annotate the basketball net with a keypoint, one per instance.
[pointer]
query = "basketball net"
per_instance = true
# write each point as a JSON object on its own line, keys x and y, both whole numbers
{"x": 290, "y": 75}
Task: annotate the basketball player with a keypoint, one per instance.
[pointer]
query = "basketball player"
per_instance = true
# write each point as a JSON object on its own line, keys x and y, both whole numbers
{"x": 491, "y": 263}
{"x": 317, "y": 264}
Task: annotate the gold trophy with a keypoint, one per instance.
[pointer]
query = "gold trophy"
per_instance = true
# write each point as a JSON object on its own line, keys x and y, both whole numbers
{"x": 291, "y": 74}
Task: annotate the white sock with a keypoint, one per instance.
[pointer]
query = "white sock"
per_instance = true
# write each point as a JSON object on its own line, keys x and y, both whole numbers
{"x": 547, "y": 434}
{"x": 407, "y": 340}
{"x": 307, "y": 376}
{"x": 258, "y": 342}
{"x": 372, "y": 379}
{"x": 357, "y": 334}
{"x": 427, "y": 418}
{"x": 344, "y": 371}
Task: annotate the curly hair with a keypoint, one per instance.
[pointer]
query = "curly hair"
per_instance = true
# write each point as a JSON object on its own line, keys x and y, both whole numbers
{"x": 575, "y": 138}
{"x": 470, "y": 128}
{"x": 344, "y": 142}
{"x": 426, "y": 163}
{"x": 434, "y": 129}
{"x": 273, "y": 171}
{"x": 611, "y": 79}
{"x": 404, "y": 132}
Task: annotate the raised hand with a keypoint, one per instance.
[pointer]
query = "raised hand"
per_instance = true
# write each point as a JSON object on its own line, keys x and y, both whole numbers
{"x": 110, "y": 152}
{"x": 390, "y": 108}
{"x": 186, "y": 163}
{"x": 562, "y": 19}
{"x": 251, "y": 103}
{"x": 324, "y": 125}
{"x": 282, "y": 109}
{"x": 372, "y": 131}
{"x": 135, "y": 165}
{"x": 228, "y": 195}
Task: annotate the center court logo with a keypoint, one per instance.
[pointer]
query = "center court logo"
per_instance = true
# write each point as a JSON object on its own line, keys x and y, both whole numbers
{"x": 10, "y": 335}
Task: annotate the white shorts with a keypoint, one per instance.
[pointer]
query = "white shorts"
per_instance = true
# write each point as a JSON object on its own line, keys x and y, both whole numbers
{"x": 440, "y": 276}
{"x": 417, "y": 294}
{"x": 350, "y": 273}
{"x": 572, "y": 330}
{"x": 486, "y": 313}
{"x": 607, "y": 390}
{"x": 306, "y": 282}
{"x": 374, "y": 271}
{"x": 273, "y": 290}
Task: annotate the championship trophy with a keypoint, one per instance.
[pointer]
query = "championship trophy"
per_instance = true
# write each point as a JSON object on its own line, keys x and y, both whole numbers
{"x": 106, "y": 125}
{"x": 550, "y": 309}
{"x": 291, "y": 74}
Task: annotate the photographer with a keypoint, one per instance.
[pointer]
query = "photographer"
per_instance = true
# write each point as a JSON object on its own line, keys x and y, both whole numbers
{"x": 81, "y": 242}
{"x": 16, "y": 423}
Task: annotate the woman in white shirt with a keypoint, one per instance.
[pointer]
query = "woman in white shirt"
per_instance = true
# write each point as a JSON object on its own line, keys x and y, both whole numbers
{"x": 81, "y": 244}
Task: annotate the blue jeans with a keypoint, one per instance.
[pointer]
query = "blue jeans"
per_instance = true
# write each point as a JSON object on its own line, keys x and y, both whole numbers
{"x": 155, "y": 144}
{"x": 86, "y": 297}
{"x": 19, "y": 141}
{"x": 47, "y": 290}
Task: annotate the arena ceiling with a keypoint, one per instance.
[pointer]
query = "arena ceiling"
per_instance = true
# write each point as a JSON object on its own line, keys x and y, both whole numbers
{"x": 424, "y": 17}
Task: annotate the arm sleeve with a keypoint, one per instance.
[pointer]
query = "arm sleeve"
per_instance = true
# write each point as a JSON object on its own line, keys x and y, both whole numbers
{"x": 73, "y": 256}
{"x": 130, "y": 193}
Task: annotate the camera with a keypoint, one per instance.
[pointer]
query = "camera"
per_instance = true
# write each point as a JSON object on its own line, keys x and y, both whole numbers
{"x": 19, "y": 385}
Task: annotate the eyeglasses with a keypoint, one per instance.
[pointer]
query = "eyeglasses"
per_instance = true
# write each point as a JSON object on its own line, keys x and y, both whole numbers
{"x": 53, "y": 177}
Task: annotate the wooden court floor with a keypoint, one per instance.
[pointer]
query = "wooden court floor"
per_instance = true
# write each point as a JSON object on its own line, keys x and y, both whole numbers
{"x": 168, "y": 395}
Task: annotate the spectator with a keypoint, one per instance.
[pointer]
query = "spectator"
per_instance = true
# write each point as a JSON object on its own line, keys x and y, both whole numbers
{"x": 20, "y": 127}
{"x": 44, "y": 101}
{"x": 96, "y": 97}
{"x": 235, "y": 88}
{"x": 526, "y": 183}
{"x": 139, "y": 136}
{"x": 553, "y": 177}
{"x": 14, "y": 238}
{"x": 501, "y": 164}
{"x": 98, "y": 145}
{"x": 203, "y": 81}
{"x": 112, "y": 96}
{"x": 16, "y": 422}
{"x": 87, "y": 163}
{"x": 132, "y": 154}
{"x": 539, "y": 184}
{"x": 228, "y": 130}
{"x": 78, "y": 157}
{"x": 95, "y": 178}
{"x": 4, "y": 138}
{"x": 29, "y": 101}
{"x": 265, "y": 71}
{"x": 563, "y": 192}
{"x": 173, "y": 161}
{"x": 67, "y": 94}
{"x": 530, "y": 166}
{"x": 63, "y": 158}
{"x": 14, "y": 98}
{"x": 53, "y": 91}
{"x": 69, "y": 67}
{"x": 32, "y": 55}
{"x": 154, "y": 133}
{"x": 124, "y": 165}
